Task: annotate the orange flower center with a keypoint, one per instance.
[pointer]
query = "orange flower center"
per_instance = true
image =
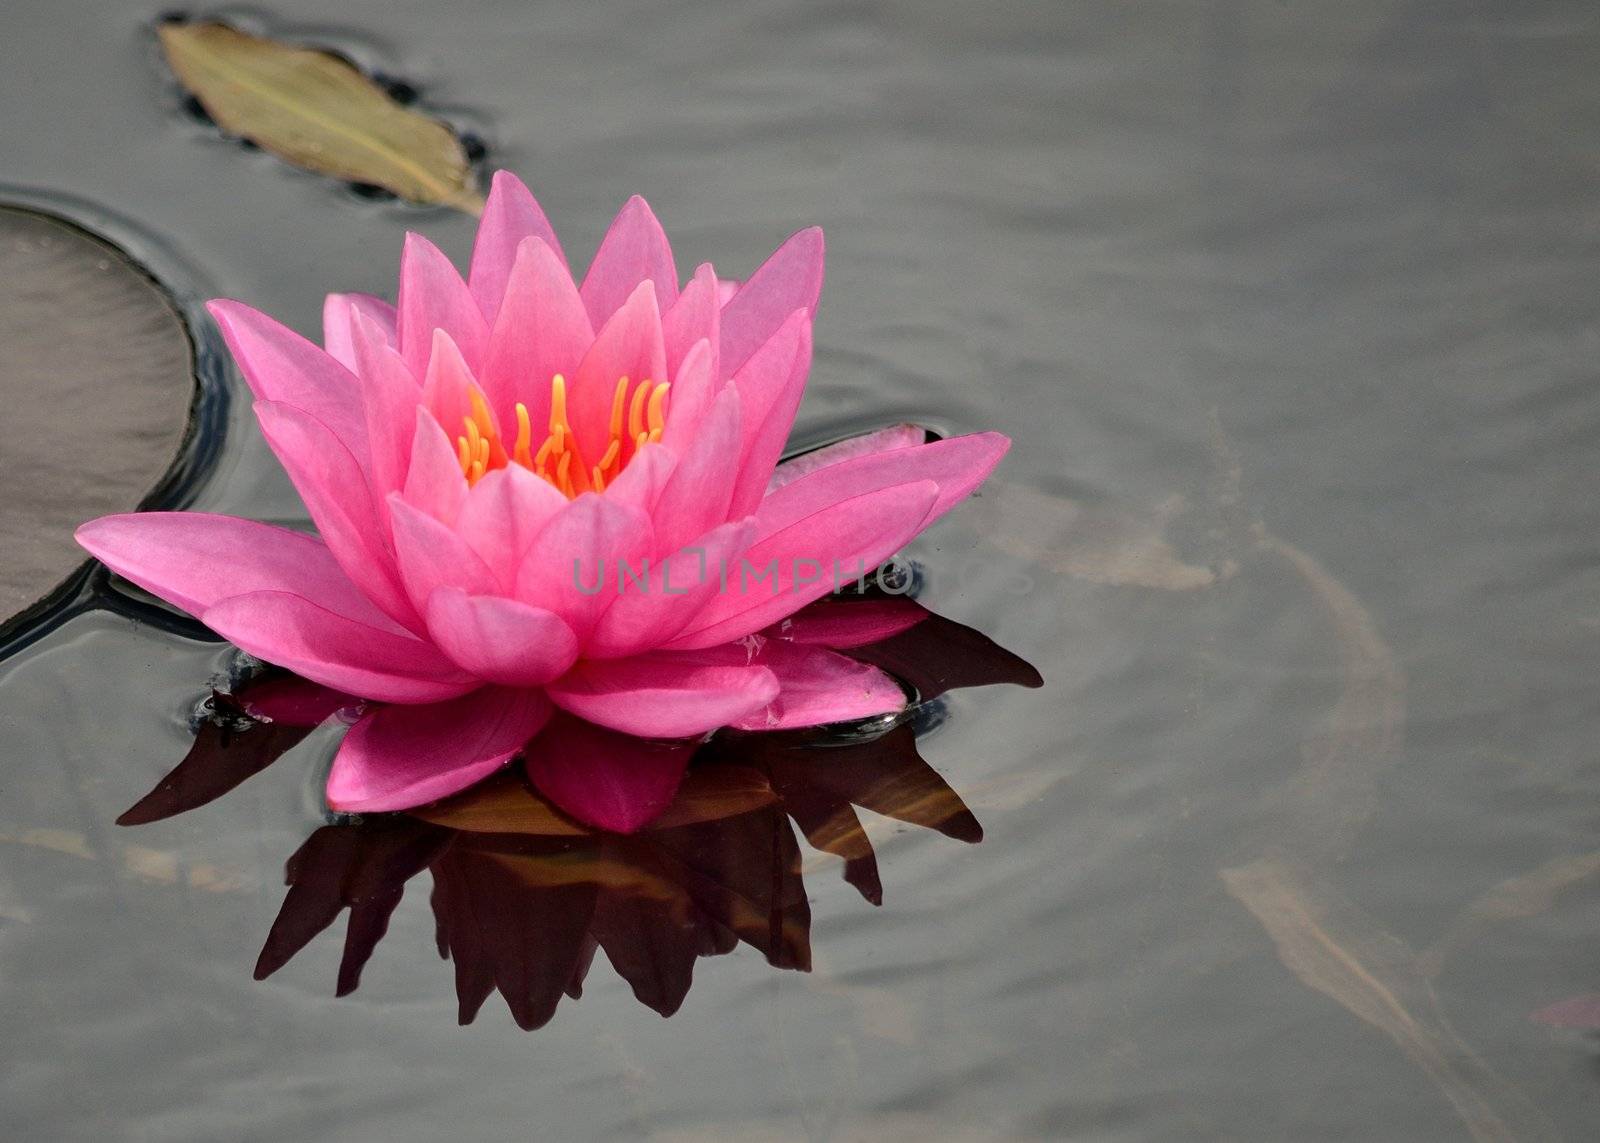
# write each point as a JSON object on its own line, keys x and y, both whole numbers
{"x": 634, "y": 423}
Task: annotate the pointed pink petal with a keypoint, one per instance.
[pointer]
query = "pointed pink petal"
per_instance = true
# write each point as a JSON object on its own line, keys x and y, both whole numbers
{"x": 840, "y": 623}
{"x": 338, "y": 310}
{"x": 434, "y": 481}
{"x": 542, "y": 329}
{"x": 819, "y": 687}
{"x": 646, "y": 615}
{"x": 696, "y": 498}
{"x": 634, "y": 250}
{"x": 391, "y": 395}
{"x": 194, "y": 560}
{"x": 500, "y": 640}
{"x": 433, "y": 296}
{"x": 628, "y": 345}
{"x": 957, "y": 465}
{"x": 282, "y": 366}
{"x": 604, "y": 779}
{"x": 884, "y": 440}
{"x": 398, "y": 757}
{"x": 510, "y": 215}
{"x": 640, "y": 483}
{"x": 572, "y": 566}
{"x": 430, "y": 556}
{"x": 503, "y": 514}
{"x": 695, "y": 316}
{"x": 291, "y": 631}
{"x": 770, "y": 384}
{"x": 810, "y": 557}
{"x": 335, "y": 493}
{"x": 789, "y": 280}
{"x": 694, "y": 387}
{"x": 446, "y": 385}
{"x": 662, "y": 695}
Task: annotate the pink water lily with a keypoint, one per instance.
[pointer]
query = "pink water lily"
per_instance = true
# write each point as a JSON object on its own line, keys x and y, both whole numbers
{"x": 488, "y": 458}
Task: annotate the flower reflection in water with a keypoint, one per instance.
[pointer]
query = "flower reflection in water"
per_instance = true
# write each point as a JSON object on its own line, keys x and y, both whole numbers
{"x": 523, "y": 896}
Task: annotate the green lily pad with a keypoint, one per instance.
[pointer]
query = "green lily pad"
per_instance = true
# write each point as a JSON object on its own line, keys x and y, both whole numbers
{"x": 96, "y": 383}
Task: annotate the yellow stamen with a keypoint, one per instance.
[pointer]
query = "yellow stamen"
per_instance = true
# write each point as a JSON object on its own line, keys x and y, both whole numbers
{"x": 564, "y": 474}
{"x": 656, "y": 417}
{"x": 636, "y": 410}
{"x": 638, "y": 415}
{"x": 619, "y": 402}
{"x": 522, "y": 454}
{"x": 558, "y": 404}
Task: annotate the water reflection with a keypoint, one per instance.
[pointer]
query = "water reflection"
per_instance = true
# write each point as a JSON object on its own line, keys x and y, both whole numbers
{"x": 523, "y": 896}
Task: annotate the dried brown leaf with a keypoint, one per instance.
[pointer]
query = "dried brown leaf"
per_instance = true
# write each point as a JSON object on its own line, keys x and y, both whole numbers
{"x": 318, "y": 112}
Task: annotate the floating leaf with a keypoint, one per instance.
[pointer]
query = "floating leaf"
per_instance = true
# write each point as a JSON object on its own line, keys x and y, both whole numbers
{"x": 98, "y": 377}
{"x": 318, "y": 112}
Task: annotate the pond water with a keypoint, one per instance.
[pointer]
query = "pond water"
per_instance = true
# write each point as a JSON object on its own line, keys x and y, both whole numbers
{"x": 1290, "y": 312}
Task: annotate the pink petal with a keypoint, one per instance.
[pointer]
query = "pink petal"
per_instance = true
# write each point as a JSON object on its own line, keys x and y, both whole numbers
{"x": 641, "y": 481}
{"x": 646, "y": 615}
{"x": 433, "y": 296}
{"x": 338, "y": 311}
{"x": 884, "y": 440}
{"x": 571, "y": 568}
{"x": 694, "y": 386}
{"x": 604, "y": 779}
{"x": 696, "y": 497}
{"x": 841, "y": 623}
{"x": 282, "y": 366}
{"x": 820, "y": 687}
{"x": 194, "y": 560}
{"x": 335, "y": 492}
{"x": 663, "y": 695}
{"x": 957, "y": 465}
{"x": 500, "y": 640}
{"x": 510, "y": 216}
{"x": 789, "y": 280}
{"x": 628, "y": 345}
{"x": 391, "y": 395}
{"x": 430, "y": 556}
{"x": 694, "y": 317}
{"x": 295, "y": 701}
{"x": 503, "y": 514}
{"x": 447, "y": 384}
{"x": 634, "y": 250}
{"x": 542, "y": 329}
{"x": 397, "y": 757}
{"x": 434, "y": 481}
{"x": 291, "y": 631}
{"x": 835, "y": 544}
{"x": 770, "y": 384}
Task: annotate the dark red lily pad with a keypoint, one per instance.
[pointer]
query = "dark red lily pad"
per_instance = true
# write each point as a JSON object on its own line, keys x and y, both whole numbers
{"x": 96, "y": 383}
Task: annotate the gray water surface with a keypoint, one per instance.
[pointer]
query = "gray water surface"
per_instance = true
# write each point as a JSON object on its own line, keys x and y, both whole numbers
{"x": 1307, "y": 289}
